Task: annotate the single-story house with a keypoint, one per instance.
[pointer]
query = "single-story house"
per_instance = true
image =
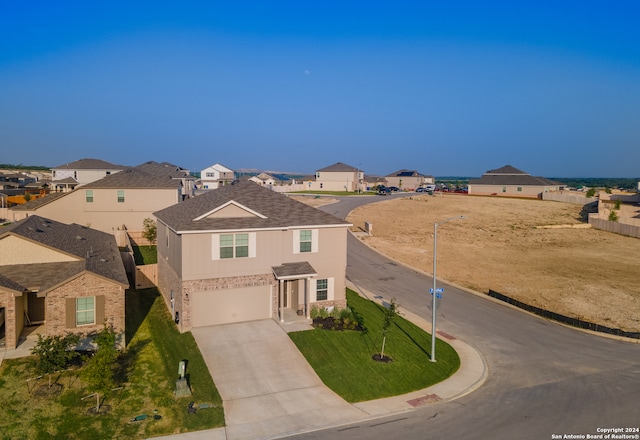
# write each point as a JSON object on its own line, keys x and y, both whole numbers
{"x": 512, "y": 182}
{"x": 243, "y": 252}
{"x": 68, "y": 278}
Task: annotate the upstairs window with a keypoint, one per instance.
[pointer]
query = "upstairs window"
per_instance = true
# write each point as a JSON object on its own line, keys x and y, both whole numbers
{"x": 305, "y": 241}
{"x": 89, "y": 196}
{"x": 234, "y": 245}
{"x": 120, "y": 196}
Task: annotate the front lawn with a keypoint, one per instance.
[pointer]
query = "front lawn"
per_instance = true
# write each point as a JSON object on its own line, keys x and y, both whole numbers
{"x": 148, "y": 370}
{"x": 343, "y": 359}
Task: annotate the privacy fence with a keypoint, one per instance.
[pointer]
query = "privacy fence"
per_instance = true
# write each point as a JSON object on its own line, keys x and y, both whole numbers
{"x": 574, "y": 322}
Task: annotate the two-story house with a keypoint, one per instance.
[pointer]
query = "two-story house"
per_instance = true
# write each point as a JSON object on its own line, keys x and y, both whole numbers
{"x": 80, "y": 172}
{"x": 338, "y": 177}
{"x": 408, "y": 179}
{"x": 67, "y": 278}
{"x": 118, "y": 200}
{"x": 242, "y": 252}
{"x": 215, "y": 176}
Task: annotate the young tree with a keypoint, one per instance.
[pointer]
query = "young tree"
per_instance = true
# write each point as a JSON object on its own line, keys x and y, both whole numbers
{"x": 99, "y": 373}
{"x": 150, "y": 231}
{"x": 389, "y": 315}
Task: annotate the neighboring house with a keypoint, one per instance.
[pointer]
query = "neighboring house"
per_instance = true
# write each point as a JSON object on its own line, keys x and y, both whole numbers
{"x": 265, "y": 179}
{"x": 408, "y": 179}
{"x": 119, "y": 200}
{"x": 510, "y": 181}
{"x": 242, "y": 252}
{"x": 68, "y": 278}
{"x": 216, "y": 176}
{"x": 338, "y": 177}
{"x": 81, "y": 172}
{"x": 166, "y": 169}
{"x": 373, "y": 181}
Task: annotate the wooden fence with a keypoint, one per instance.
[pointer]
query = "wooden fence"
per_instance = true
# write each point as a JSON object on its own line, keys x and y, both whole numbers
{"x": 619, "y": 228}
{"x": 568, "y": 197}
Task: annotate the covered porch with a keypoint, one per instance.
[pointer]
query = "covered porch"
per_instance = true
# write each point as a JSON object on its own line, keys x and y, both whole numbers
{"x": 294, "y": 290}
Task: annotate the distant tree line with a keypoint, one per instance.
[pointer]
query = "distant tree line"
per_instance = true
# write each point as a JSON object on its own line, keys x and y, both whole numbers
{"x": 600, "y": 182}
{"x": 7, "y": 166}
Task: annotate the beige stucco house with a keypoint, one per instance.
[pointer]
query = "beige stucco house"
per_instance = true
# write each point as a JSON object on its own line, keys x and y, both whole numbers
{"x": 512, "y": 182}
{"x": 243, "y": 252}
{"x": 67, "y": 278}
{"x": 337, "y": 177}
{"x": 119, "y": 200}
{"x": 408, "y": 179}
{"x": 80, "y": 172}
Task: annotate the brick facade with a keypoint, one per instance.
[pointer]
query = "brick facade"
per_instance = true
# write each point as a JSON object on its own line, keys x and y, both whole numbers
{"x": 85, "y": 285}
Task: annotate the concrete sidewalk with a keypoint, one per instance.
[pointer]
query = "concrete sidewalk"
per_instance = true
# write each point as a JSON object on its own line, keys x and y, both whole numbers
{"x": 270, "y": 391}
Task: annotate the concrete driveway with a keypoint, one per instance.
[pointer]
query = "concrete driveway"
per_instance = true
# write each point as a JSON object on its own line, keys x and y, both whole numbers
{"x": 267, "y": 387}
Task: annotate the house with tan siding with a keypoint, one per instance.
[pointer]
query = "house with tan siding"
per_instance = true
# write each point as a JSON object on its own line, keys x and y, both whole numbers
{"x": 511, "y": 182}
{"x": 65, "y": 278}
{"x": 408, "y": 179}
{"x": 337, "y": 177}
{"x": 243, "y": 252}
{"x": 121, "y": 200}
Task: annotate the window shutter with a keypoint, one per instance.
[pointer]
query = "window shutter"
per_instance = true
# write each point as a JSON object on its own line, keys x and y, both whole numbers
{"x": 296, "y": 241}
{"x": 314, "y": 240}
{"x": 252, "y": 244}
{"x": 99, "y": 305}
{"x": 330, "y": 288}
{"x": 215, "y": 247}
{"x": 70, "y": 313}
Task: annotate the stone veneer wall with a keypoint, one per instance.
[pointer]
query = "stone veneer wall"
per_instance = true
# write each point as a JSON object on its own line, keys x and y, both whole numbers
{"x": 10, "y": 325}
{"x": 85, "y": 285}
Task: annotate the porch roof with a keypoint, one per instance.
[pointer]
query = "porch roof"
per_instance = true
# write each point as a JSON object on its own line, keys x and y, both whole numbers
{"x": 290, "y": 271}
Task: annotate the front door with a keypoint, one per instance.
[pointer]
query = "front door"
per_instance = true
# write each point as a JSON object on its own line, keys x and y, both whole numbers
{"x": 35, "y": 308}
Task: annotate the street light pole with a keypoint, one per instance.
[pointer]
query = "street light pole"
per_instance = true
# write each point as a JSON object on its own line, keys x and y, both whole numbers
{"x": 433, "y": 299}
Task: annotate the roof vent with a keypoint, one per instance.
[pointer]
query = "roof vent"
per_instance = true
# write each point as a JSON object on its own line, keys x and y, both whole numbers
{"x": 79, "y": 238}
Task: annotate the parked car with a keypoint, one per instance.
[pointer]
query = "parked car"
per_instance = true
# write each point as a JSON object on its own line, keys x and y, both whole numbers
{"x": 393, "y": 189}
{"x": 382, "y": 191}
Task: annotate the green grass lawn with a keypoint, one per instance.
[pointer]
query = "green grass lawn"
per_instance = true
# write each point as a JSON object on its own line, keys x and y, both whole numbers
{"x": 149, "y": 368}
{"x": 343, "y": 359}
{"x": 145, "y": 255}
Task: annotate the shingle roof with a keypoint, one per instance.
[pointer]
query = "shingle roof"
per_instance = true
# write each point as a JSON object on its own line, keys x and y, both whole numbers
{"x": 135, "y": 178}
{"x": 508, "y": 175}
{"x": 97, "y": 252}
{"x": 163, "y": 169}
{"x": 40, "y": 201}
{"x": 89, "y": 164}
{"x": 294, "y": 270}
{"x": 279, "y": 210}
{"x": 405, "y": 173}
{"x": 338, "y": 167}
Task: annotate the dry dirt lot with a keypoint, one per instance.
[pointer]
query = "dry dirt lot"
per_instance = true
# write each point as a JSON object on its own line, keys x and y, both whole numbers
{"x": 502, "y": 245}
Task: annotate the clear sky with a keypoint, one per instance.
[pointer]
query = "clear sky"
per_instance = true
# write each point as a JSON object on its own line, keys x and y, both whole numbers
{"x": 443, "y": 87}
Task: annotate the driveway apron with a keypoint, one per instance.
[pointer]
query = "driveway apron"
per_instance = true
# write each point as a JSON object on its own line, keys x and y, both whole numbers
{"x": 267, "y": 387}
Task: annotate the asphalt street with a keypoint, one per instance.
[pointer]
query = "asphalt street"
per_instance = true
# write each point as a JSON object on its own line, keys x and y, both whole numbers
{"x": 544, "y": 378}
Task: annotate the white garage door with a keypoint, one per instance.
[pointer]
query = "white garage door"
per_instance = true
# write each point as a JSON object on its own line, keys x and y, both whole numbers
{"x": 231, "y": 305}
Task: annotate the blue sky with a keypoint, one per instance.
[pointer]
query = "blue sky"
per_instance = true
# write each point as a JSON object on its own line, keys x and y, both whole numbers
{"x": 446, "y": 88}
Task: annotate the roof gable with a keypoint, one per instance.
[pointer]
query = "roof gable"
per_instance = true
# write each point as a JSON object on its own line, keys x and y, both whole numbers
{"x": 338, "y": 167}
{"x": 271, "y": 210}
{"x": 15, "y": 249}
{"x": 507, "y": 169}
{"x": 89, "y": 164}
{"x": 231, "y": 209}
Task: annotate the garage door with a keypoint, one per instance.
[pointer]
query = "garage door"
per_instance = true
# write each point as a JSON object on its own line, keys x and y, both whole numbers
{"x": 231, "y": 305}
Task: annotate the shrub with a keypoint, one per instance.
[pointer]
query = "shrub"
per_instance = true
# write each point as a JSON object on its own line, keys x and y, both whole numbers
{"x": 591, "y": 192}
{"x": 613, "y": 217}
{"x": 617, "y": 204}
{"x": 54, "y": 353}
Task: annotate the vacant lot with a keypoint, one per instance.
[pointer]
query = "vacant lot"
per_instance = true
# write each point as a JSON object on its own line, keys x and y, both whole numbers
{"x": 501, "y": 245}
